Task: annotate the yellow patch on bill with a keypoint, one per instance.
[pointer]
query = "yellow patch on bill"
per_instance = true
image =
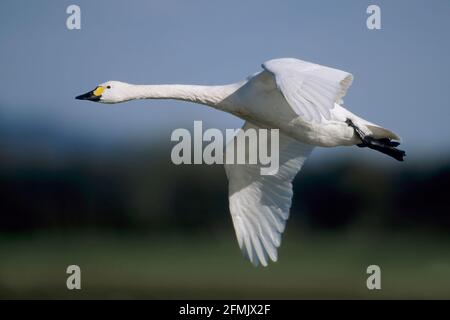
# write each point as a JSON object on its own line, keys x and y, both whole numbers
{"x": 98, "y": 92}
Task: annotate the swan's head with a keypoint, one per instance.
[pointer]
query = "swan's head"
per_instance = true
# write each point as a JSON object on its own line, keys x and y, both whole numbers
{"x": 108, "y": 92}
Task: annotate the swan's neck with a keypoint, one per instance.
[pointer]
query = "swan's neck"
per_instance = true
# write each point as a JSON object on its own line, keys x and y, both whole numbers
{"x": 214, "y": 96}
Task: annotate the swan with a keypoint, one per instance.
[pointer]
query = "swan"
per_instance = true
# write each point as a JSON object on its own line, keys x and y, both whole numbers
{"x": 301, "y": 99}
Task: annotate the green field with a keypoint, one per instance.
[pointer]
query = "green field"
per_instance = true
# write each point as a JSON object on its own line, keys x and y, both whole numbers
{"x": 155, "y": 267}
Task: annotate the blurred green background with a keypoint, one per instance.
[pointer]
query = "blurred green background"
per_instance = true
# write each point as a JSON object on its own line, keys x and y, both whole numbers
{"x": 141, "y": 227}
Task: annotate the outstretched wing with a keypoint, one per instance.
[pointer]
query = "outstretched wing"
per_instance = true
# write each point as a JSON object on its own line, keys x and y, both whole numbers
{"x": 310, "y": 89}
{"x": 259, "y": 204}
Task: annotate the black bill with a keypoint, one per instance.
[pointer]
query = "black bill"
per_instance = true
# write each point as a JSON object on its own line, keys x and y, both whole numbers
{"x": 88, "y": 96}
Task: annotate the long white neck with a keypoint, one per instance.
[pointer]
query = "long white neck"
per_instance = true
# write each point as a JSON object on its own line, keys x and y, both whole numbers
{"x": 214, "y": 96}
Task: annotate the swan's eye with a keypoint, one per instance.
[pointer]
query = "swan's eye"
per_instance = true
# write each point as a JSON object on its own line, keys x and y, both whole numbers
{"x": 108, "y": 87}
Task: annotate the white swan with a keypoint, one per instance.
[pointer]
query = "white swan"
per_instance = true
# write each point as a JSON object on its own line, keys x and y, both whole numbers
{"x": 300, "y": 98}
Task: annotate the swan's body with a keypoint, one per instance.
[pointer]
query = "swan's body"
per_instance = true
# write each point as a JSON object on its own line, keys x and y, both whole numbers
{"x": 303, "y": 101}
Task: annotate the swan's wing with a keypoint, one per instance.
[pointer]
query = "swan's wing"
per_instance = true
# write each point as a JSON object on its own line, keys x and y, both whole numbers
{"x": 310, "y": 89}
{"x": 259, "y": 204}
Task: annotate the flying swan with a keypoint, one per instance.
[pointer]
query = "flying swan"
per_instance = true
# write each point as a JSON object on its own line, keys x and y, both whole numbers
{"x": 304, "y": 101}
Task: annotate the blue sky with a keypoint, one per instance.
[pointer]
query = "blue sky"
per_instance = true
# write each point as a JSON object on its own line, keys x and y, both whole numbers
{"x": 401, "y": 72}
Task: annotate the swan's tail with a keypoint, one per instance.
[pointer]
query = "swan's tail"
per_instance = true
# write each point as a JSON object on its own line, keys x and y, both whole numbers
{"x": 380, "y": 140}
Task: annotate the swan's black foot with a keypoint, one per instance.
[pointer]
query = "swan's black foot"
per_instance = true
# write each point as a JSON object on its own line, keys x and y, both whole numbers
{"x": 384, "y": 145}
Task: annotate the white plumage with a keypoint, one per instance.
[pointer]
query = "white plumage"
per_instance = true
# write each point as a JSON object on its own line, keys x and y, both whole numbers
{"x": 310, "y": 89}
{"x": 259, "y": 204}
{"x": 301, "y": 99}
